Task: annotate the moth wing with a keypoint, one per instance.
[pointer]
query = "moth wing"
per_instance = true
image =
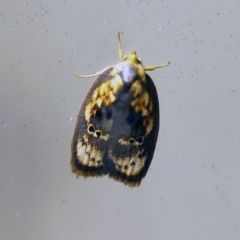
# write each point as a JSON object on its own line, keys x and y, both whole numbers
{"x": 87, "y": 150}
{"x": 130, "y": 150}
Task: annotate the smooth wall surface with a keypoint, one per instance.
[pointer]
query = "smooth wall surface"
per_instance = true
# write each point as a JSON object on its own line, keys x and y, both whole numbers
{"x": 192, "y": 188}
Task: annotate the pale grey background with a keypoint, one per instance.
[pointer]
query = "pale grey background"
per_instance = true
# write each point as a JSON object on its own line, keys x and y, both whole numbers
{"x": 192, "y": 189}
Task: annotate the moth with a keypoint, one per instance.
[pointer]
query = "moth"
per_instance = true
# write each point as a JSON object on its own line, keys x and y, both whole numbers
{"x": 118, "y": 122}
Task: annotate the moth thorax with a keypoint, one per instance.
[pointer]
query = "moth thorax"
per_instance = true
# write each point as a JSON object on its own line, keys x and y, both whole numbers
{"x": 130, "y": 72}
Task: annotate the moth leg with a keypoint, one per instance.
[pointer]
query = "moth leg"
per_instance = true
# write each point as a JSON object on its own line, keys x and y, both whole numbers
{"x": 120, "y": 51}
{"x": 92, "y": 75}
{"x": 151, "y": 68}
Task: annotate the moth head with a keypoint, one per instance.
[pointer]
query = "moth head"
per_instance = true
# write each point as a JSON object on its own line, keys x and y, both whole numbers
{"x": 131, "y": 68}
{"x": 133, "y": 58}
